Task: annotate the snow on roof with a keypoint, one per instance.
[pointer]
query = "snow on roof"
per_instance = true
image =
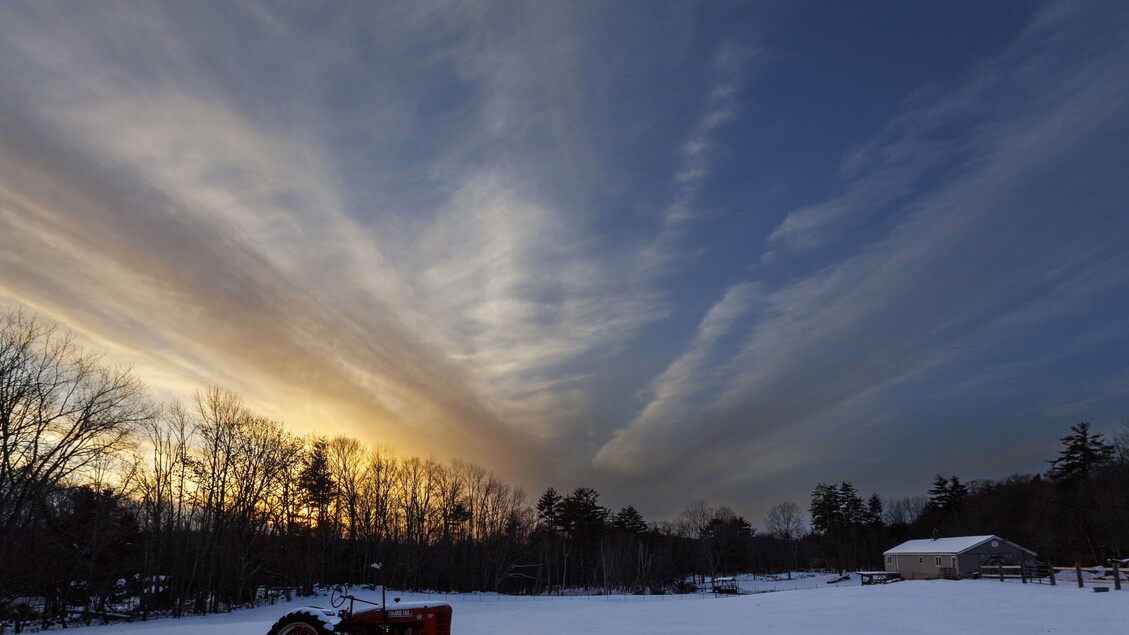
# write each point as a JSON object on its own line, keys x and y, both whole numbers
{"x": 956, "y": 544}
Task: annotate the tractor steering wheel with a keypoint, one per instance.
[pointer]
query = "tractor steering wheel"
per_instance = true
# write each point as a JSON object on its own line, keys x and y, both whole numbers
{"x": 338, "y": 594}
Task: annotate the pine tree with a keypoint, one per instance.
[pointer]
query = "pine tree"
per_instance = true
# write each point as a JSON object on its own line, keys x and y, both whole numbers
{"x": 316, "y": 482}
{"x": 629, "y": 519}
{"x": 939, "y": 493}
{"x": 947, "y": 493}
{"x": 582, "y": 515}
{"x": 957, "y": 492}
{"x": 1083, "y": 452}
{"x": 825, "y": 509}
{"x": 853, "y": 511}
{"x": 830, "y": 518}
{"x": 874, "y": 510}
{"x": 549, "y": 510}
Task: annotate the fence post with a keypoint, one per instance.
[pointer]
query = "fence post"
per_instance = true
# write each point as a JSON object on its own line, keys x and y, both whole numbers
{"x": 1078, "y": 572}
{"x": 1116, "y": 577}
{"x": 1051, "y": 570}
{"x": 1000, "y": 568}
{"x": 1023, "y": 573}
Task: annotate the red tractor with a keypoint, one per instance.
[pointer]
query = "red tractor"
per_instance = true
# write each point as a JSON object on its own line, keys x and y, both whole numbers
{"x": 402, "y": 618}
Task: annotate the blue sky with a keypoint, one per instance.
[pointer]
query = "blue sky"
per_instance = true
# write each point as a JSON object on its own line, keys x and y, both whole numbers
{"x": 668, "y": 250}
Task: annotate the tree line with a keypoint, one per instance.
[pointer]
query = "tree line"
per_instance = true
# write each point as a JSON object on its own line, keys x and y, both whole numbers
{"x": 1075, "y": 512}
{"x": 201, "y": 505}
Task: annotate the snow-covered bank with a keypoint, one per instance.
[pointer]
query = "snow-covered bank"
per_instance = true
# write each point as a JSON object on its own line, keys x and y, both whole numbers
{"x": 938, "y": 606}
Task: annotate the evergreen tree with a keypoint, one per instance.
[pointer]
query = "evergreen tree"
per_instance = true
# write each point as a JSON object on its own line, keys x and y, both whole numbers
{"x": 947, "y": 494}
{"x": 853, "y": 511}
{"x": 316, "y": 483}
{"x": 549, "y": 510}
{"x": 957, "y": 492}
{"x": 1083, "y": 452}
{"x": 825, "y": 509}
{"x": 830, "y": 513}
{"x": 874, "y": 510}
{"x": 629, "y": 519}
{"x": 582, "y": 515}
{"x": 939, "y": 493}
{"x": 584, "y": 522}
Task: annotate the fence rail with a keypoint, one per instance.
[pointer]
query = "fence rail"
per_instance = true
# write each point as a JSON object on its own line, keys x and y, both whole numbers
{"x": 1039, "y": 571}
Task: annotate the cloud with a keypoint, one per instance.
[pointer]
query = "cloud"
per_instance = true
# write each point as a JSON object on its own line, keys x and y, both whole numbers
{"x": 1020, "y": 224}
{"x": 522, "y": 295}
{"x": 669, "y": 397}
{"x": 728, "y": 75}
{"x": 223, "y": 227}
{"x": 903, "y": 165}
{"x": 215, "y": 246}
{"x": 432, "y": 225}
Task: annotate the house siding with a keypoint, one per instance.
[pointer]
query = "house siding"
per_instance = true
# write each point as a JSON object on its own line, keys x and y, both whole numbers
{"x": 907, "y": 564}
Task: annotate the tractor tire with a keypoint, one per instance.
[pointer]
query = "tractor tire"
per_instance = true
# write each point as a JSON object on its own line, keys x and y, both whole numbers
{"x": 299, "y": 624}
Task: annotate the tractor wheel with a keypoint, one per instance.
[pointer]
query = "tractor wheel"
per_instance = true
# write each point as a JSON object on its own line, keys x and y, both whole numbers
{"x": 299, "y": 624}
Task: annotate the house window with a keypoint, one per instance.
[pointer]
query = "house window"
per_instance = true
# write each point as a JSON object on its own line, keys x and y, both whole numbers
{"x": 889, "y": 559}
{"x": 938, "y": 561}
{"x": 954, "y": 562}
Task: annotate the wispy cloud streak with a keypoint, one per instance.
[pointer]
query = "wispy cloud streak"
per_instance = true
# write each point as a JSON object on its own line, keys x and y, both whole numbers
{"x": 673, "y": 393}
{"x": 729, "y": 73}
{"x": 429, "y": 221}
{"x": 941, "y": 291}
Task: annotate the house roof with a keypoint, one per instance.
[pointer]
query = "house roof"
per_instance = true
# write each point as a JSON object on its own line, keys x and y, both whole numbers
{"x": 956, "y": 544}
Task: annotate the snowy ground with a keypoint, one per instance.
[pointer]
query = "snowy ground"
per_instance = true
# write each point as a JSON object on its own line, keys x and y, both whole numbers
{"x": 808, "y": 606}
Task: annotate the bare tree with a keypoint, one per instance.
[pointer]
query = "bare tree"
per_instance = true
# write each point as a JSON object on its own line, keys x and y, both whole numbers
{"x": 1121, "y": 442}
{"x": 785, "y": 522}
{"x": 62, "y": 411}
{"x": 380, "y": 481}
{"x": 905, "y": 510}
{"x": 692, "y": 521}
{"x": 716, "y": 528}
{"x": 347, "y": 466}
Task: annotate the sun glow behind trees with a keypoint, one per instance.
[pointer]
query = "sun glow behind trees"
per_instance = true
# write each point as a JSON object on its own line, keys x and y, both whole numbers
{"x": 222, "y": 498}
{"x": 220, "y": 503}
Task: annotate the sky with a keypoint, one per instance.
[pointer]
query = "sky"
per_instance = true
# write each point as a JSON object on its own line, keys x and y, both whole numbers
{"x": 669, "y": 250}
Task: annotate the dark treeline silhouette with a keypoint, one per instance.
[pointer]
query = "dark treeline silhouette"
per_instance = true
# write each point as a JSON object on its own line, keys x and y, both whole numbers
{"x": 201, "y": 506}
{"x": 109, "y": 500}
{"x": 1076, "y": 512}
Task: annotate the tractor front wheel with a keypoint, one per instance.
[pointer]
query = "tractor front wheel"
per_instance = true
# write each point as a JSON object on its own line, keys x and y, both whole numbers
{"x": 299, "y": 624}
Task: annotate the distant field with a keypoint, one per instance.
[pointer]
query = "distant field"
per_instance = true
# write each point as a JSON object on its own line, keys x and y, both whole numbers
{"x": 807, "y": 606}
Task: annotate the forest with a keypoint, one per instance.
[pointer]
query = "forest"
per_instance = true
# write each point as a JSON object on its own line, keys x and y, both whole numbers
{"x": 110, "y": 500}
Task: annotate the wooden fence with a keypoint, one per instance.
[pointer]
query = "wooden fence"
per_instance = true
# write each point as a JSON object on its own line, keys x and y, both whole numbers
{"x": 1040, "y": 571}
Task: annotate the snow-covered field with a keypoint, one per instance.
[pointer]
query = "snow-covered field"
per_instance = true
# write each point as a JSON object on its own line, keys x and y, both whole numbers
{"x": 803, "y": 605}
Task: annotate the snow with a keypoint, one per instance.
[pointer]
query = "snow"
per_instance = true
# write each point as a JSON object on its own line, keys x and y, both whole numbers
{"x": 958, "y": 544}
{"x": 317, "y": 614}
{"x": 803, "y": 605}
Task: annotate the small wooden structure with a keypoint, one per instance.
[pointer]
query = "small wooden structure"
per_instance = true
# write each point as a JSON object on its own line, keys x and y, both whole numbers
{"x": 726, "y": 586}
{"x": 878, "y": 577}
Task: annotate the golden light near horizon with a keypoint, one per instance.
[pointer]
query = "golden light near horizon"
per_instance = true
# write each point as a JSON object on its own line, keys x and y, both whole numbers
{"x": 557, "y": 300}
{"x": 466, "y": 235}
